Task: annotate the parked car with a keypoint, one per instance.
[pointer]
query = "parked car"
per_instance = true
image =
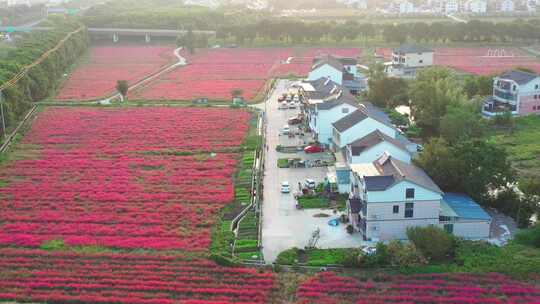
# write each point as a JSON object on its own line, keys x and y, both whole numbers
{"x": 281, "y": 98}
{"x": 313, "y": 149}
{"x": 310, "y": 184}
{"x": 286, "y": 129}
{"x": 296, "y": 98}
{"x": 288, "y": 98}
{"x": 295, "y": 120}
{"x": 285, "y": 187}
{"x": 292, "y": 105}
{"x": 283, "y": 106}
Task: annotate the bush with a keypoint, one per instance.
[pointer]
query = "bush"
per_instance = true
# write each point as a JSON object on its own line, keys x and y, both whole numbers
{"x": 405, "y": 255}
{"x": 529, "y": 237}
{"x": 433, "y": 242}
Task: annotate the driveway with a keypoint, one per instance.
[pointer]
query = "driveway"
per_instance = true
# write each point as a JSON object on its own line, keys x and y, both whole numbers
{"x": 283, "y": 226}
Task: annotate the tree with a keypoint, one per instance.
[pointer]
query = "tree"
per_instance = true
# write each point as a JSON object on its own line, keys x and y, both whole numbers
{"x": 461, "y": 123}
{"x": 387, "y": 92}
{"x": 236, "y": 93}
{"x": 122, "y": 87}
{"x": 188, "y": 41}
{"x": 434, "y": 243}
{"x": 433, "y": 91}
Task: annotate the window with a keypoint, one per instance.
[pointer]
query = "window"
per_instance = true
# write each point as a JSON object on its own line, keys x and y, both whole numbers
{"x": 535, "y": 96}
{"x": 514, "y": 87}
{"x": 409, "y": 193}
{"x": 421, "y": 61}
{"x": 449, "y": 228}
{"x": 396, "y": 209}
{"x": 536, "y": 87}
{"x": 344, "y": 110}
{"x": 409, "y": 210}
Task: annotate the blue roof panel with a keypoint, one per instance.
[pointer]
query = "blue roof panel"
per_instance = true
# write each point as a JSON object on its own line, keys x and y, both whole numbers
{"x": 465, "y": 207}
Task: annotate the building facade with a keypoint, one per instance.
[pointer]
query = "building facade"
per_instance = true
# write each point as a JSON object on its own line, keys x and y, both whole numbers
{"x": 515, "y": 91}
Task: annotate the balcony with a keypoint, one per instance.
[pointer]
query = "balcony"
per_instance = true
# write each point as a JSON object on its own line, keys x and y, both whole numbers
{"x": 505, "y": 96}
{"x": 493, "y": 107}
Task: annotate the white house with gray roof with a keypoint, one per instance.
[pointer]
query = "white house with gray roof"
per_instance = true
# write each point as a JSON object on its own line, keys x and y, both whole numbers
{"x": 374, "y": 145}
{"x": 387, "y": 196}
{"x": 407, "y": 60}
{"x": 341, "y": 70}
{"x": 515, "y": 91}
{"x": 321, "y": 115}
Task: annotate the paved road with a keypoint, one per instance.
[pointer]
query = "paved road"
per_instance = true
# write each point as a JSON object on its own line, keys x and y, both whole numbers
{"x": 284, "y": 226}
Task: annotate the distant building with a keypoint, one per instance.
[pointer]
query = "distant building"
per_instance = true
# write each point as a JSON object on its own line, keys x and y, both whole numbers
{"x": 476, "y": 6}
{"x": 506, "y": 6}
{"x": 407, "y": 59}
{"x": 406, "y": 7}
{"x": 515, "y": 91}
{"x": 451, "y": 6}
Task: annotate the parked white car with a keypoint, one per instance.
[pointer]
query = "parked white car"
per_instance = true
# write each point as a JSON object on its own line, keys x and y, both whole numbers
{"x": 285, "y": 187}
{"x": 310, "y": 184}
{"x": 286, "y": 130}
{"x": 283, "y": 106}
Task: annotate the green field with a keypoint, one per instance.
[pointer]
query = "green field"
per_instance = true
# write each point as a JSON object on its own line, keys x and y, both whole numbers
{"x": 522, "y": 144}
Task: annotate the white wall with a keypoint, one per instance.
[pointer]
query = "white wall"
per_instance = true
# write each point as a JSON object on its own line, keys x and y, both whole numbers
{"x": 362, "y": 129}
{"x": 326, "y": 71}
{"x": 397, "y": 194}
{"x": 471, "y": 229}
{"x": 325, "y": 119}
{"x": 394, "y": 230}
{"x": 419, "y": 59}
{"x": 375, "y": 152}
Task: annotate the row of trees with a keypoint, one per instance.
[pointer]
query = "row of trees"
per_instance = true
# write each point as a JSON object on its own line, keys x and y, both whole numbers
{"x": 41, "y": 80}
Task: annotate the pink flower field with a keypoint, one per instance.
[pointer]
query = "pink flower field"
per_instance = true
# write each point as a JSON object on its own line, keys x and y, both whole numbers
{"x": 152, "y": 178}
{"x": 106, "y": 65}
{"x": 62, "y": 277}
{"x": 330, "y": 288}
{"x": 479, "y": 61}
{"x": 213, "y": 73}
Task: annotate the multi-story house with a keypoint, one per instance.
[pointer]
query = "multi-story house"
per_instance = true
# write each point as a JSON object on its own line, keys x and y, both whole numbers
{"x": 506, "y": 6}
{"x": 515, "y": 91}
{"x": 406, "y": 7}
{"x": 476, "y": 6}
{"x": 374, "y": 145}
{"x": 388, "y": 196}
{"x": 407, "y": 60}
{"x": 341, "y": 70}
{"x": 321, "y": 115}
{"x": 451, "y": 6}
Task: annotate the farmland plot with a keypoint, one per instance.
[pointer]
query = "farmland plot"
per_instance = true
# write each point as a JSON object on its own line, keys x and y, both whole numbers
{"x": 106, "y": 65}
{"x": 152, "y": 178}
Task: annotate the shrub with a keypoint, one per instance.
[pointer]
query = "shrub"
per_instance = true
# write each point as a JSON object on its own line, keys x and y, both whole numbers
{"x": 405, "y": 255}
{"x": 529, "y": 237}
{"x": 433, "y": 242}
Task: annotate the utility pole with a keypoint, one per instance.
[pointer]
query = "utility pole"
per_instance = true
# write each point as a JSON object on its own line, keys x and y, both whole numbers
{"x": 2, "y": 113}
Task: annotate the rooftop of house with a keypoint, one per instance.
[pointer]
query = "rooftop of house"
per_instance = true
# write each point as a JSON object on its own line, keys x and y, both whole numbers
{"x": 408, "y": 48}
{"x": 372, "y": 139}
{"x": 365, "y": 110}
{"x": 390, "y": 171}
{"x": 336, "y": 62}
{"x": 520, "y": 77}
{"x": 462, "y": 206}
{"x": 338, "y": 97}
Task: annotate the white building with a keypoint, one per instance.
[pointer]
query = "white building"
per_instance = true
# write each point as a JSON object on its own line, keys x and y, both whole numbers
{"x": 463, "y": 217}
{"x": 321, "y": 115}
{"x": 341, "y": 70}
{"x": 407, "y": 60}
{"x": 515, "y": 91}
{"x": 476, "y": 6}
{"x": 451, "y": 6}
{"x": 406, "y": 7}
{"x": 506, "y": 6}
{"x": 388, "y": 196}
{"x": 374, "y": 145}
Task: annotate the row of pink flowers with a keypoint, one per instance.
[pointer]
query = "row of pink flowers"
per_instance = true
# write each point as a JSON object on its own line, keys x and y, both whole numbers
{"x": 110, "y": 177}
{"x": 330, "y": 287}
{"x": 40, "y": 276}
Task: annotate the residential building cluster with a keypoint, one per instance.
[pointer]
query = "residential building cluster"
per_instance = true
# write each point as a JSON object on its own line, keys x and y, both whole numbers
{"x": 387, "y": 192}
{"x": 447, "y": 7}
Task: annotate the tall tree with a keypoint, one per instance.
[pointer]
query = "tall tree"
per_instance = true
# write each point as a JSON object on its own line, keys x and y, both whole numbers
{"x": 461, "y": 123}
{"x": 122, "y": 87}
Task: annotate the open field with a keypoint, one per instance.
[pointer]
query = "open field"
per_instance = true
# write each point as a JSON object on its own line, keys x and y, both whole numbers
{"x": 329, "y": 288}
{"x": 152, "y": 178}
{"x": 479, "y": 61}
{"x": 107, "y": 64}
{"x": 214, "y": 73}
{"x": 522, "y": 145}
{"x": 66, "y": 277}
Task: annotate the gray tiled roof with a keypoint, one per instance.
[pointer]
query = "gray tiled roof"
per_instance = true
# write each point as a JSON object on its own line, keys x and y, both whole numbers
{"x": 364, "y": 111}
{"x": 379, "y": 183}
{"x": 372, "y": 139}
{"x": 339, "y": 98}
{"x": 389, "y": 166}
{"x": 520, "y": 77}
{"x": 328, "y": 59}
{"x": 408, "y": 48}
